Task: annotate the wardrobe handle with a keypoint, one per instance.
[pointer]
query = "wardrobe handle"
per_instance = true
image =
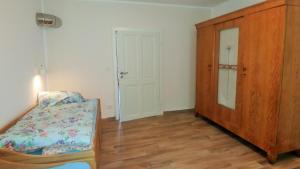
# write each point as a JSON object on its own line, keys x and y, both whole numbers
{"x": 244, "y": 71}
{"x": 209, "y": 67}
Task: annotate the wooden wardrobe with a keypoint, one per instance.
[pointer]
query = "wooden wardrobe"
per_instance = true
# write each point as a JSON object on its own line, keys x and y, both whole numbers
{"x": 248, "y": 74}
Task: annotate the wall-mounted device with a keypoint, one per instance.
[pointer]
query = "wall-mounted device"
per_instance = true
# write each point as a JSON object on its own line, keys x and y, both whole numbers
{"x": 47, "y": 20}
{"x": 42, "y": 70}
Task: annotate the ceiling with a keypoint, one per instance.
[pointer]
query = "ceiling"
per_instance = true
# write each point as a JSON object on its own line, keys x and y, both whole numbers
{"x": 192, "y": 3}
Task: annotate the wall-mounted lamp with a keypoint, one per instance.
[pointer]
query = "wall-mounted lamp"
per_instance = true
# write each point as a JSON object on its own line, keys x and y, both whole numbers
{"x": 37, "y": 84}
{"x": 38, "y": 80}
{"x": 47, "y": 20}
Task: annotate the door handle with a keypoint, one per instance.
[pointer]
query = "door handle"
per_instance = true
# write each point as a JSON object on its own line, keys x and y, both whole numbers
{"x": 122, "y": 74}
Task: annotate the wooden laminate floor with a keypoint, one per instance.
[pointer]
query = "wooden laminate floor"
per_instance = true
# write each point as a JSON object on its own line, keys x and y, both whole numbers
{"x": 178, "y": 140}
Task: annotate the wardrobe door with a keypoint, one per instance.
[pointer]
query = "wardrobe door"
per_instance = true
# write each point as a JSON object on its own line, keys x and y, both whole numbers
{"x": 205, "y": 39}
{"x": 263, "y": 57}
{"x": 227, "y": 77}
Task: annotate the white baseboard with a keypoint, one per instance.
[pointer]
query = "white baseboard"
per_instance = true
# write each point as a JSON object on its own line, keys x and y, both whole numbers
{"x": 108, "y": 115}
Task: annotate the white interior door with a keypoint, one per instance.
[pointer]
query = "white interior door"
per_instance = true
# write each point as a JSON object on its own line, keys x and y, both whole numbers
{"x": 138, "y": 74}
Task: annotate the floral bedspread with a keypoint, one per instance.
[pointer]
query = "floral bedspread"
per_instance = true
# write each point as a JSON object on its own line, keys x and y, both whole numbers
{"x": 67, "y": 125}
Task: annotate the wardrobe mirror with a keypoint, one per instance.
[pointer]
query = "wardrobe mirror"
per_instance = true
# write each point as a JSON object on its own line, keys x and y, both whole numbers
{"x": 228, "y": 59}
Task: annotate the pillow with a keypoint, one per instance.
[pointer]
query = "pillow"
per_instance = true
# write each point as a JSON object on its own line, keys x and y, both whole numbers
{"x": 59, "y": 97}
{"x": 50, "y": 98}
{"x": 72, "y": 97}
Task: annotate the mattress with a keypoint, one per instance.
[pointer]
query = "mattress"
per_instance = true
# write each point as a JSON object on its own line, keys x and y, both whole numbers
{"x": 51, "y": 130}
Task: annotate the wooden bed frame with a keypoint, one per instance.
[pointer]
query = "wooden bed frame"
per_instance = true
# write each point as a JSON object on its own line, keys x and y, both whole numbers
{"x": 10, "y": 159}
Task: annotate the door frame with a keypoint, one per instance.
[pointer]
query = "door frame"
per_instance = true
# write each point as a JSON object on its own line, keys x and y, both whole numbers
{"x": 115, "y": 63}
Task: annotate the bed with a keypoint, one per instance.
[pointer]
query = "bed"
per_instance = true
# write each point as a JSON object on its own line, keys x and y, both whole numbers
{"x": 62, "y": 128}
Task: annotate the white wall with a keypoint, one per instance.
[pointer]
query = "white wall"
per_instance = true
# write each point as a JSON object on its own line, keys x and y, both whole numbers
{"x": 21, "y": 51}
{"x": 80, "y": 54}
{"x": 232, "y": 5}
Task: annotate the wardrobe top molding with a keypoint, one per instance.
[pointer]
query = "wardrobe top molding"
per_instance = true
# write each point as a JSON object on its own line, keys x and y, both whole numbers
{"x": 249, "y": 10}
